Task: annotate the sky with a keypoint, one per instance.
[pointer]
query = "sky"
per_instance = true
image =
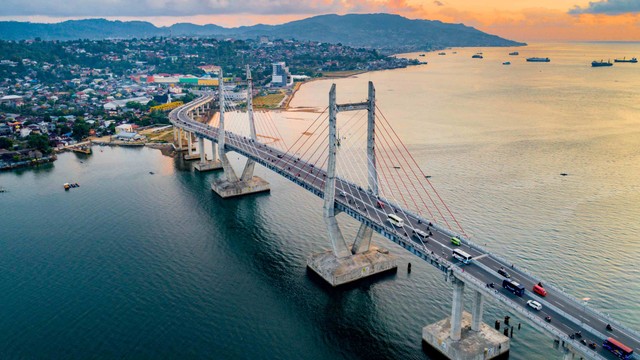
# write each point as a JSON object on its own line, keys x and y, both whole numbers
{"x": 523, "y": 20}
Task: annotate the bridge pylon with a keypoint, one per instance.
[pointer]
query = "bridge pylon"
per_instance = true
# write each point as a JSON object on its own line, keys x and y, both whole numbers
{"x": 345, "y": 262}
{"x": 229, "y": 184}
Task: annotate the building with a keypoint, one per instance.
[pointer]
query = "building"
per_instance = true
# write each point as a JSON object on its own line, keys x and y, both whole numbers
{"x": 113, "y": 105}
{"x": 281, "y": 76}
{"x": 124, "y": 128}
{"x": 128, "y": 136}
{"x": 12, "y": 100}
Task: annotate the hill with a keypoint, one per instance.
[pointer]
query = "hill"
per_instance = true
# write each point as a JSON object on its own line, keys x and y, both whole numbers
{"x": 386, "y": 32}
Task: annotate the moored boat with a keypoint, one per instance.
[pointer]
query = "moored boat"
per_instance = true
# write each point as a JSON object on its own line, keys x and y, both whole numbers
{"x": 442, "y": 53}
{"x": 514, "y": 53}
{"x": 625, "y": 60}
{"x": 506, "y": 63}
{"x": 538, "y": 59}
{"x": 601, "y": 63}
{"x": 476, "y": 56}
{"x": 67, "y": 186}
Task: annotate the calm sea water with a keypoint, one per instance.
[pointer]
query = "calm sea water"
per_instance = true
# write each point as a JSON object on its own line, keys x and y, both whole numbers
{"x": 135, "y": 265}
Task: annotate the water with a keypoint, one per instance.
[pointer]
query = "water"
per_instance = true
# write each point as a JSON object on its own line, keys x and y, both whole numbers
{"x": 136, "y": 265}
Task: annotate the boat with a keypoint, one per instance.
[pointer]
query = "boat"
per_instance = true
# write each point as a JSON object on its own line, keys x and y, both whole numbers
{"x": 624, "y": 60}
{"x": 538, "y": 59}
{"x": 476, "y": 56}
{"x": 506, "y": 63}
{"x": 442, "y": 53}
{"x": 514, "y": 53}
{"x": 601, "y": 63}
{"x": 422, "y": 55}
{"x": 2, "y": 190}
{"x": 67, "y": 186}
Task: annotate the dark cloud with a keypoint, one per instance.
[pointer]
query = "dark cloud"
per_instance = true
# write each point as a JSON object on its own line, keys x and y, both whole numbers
{"x": 439, "y": 3}
{"x": 608, "y": 7}
{"x": 142, "y": 8}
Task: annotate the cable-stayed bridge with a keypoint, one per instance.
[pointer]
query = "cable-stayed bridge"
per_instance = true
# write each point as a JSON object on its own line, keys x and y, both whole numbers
{"x": 360, "y": 167}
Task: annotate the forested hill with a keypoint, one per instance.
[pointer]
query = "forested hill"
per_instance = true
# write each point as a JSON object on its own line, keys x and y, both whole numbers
{"x": 386, "y": 32}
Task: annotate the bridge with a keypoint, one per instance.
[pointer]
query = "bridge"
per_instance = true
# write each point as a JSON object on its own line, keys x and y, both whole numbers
{"x": 370, "y": 204}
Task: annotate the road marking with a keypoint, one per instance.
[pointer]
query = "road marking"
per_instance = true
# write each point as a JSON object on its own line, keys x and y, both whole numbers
{"x": 481, "y": 256}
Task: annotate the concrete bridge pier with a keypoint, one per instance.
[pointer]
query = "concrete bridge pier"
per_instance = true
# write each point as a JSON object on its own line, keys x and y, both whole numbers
{"x": 180, "y": 138}
{"x": 463, "y": 335}
{"x": 204, "y": 164}
{"x": 343, "y": 263}
{"x": 229, "y": 184}
{"x": 190, "y": 155}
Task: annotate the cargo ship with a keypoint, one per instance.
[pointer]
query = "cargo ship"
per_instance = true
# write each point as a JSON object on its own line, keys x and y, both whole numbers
{"x": 538, "y": 59}
{"x": 601, "y": 63}
{"x": 624, "y": 60}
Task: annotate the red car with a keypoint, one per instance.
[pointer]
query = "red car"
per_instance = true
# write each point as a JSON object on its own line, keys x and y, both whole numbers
{"x": 538, "y": 289}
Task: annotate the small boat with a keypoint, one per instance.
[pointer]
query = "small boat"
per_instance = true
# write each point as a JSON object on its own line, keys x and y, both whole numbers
{"x": 624, "y": 60}
{"x": 427, "y": 176}
{"x": 396, "y": 167}
{"x": 442, "y": 53}
{"x": 514, "y": 53}
{"x": 422, "y": 55}
{"x": 601, "y": 63}
{"x": 563, "y": 174}
{"x": 538, "y": 59}
{"x": 476, "y": 56}
{"x": 2, "y": 190}
{"x": 67, "y": 186}
{"x": 506, "y": 63}
{"x": 151, "y": 172}
{"x": 455, "y": 52}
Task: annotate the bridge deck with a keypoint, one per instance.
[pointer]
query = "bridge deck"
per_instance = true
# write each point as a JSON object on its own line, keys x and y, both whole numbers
{"x": 567, "y": 313}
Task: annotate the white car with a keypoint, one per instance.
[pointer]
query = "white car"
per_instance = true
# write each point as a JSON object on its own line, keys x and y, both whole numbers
{"x": 534, "y": 304}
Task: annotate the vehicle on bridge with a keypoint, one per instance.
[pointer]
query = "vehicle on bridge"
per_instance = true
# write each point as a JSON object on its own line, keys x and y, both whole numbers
{"x": 420, "y": 234}
{"x": 462, "y": 256}
{"x": 513, "y": 286}
{"x": 504, "y": 273}
{"x": 395, "y": 220}
{"x": 456, "y": 241}
{"x": 538, "y": 289}
{"x": 534, "y": 304}
{"x": 618, "y": 349}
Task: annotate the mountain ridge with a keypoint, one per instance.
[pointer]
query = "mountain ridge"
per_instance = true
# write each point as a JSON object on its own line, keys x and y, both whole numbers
{"x": 386, "y": 32}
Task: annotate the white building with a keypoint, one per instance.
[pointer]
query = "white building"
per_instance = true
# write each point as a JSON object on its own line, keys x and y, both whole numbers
{"x": 126, "y": 128}
{"x": 281, "y": 76}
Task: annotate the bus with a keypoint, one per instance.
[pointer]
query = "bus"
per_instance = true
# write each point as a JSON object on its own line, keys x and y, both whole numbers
{"x": 462, "y": 256}
{"x": 395, "y": 220}
{"x": 619, "y": 349}
{"x": 513, "y": 286}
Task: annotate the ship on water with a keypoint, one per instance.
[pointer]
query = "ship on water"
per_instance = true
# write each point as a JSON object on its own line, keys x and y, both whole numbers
{"x": 476, "y": 56}
{"x": 625, "y": 60}
{"x": 601, "y": 63}
{"x": 538, "y": 59}
{"x": 514, "y": 53}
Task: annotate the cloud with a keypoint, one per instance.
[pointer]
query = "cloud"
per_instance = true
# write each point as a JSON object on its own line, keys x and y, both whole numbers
{"x": 608, "y": 7}
{"x": 147, "y": 8}
{"x": 438, "y": 3}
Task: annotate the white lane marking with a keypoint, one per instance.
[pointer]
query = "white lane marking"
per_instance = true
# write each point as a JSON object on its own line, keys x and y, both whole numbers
{"x": 481, "y": 256}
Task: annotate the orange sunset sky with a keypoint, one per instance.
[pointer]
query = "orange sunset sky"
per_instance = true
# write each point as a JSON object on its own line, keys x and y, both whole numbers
{"x": 525, "y": 20}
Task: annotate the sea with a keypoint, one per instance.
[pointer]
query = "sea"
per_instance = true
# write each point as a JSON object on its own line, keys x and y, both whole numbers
{"x": 144, "y": 261}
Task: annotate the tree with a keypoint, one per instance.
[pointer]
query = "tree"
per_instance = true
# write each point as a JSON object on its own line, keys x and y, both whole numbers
{"x": 39, "y": 142}
{"x": 80, "y": 130}
{"x": 6, "y": 143}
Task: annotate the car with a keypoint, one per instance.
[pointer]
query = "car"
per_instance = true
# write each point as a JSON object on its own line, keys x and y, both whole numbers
{"x": 455, "y": 241}
{"x": 420, "y": 234}
{"x": 279, "y": 156}
{"x": 379, "y": 204}
{"x": 534, "y": 305}
{"x": 504, "y": 273}
{"x": 538, "y": 289}
{"x": 343, "y": 194}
